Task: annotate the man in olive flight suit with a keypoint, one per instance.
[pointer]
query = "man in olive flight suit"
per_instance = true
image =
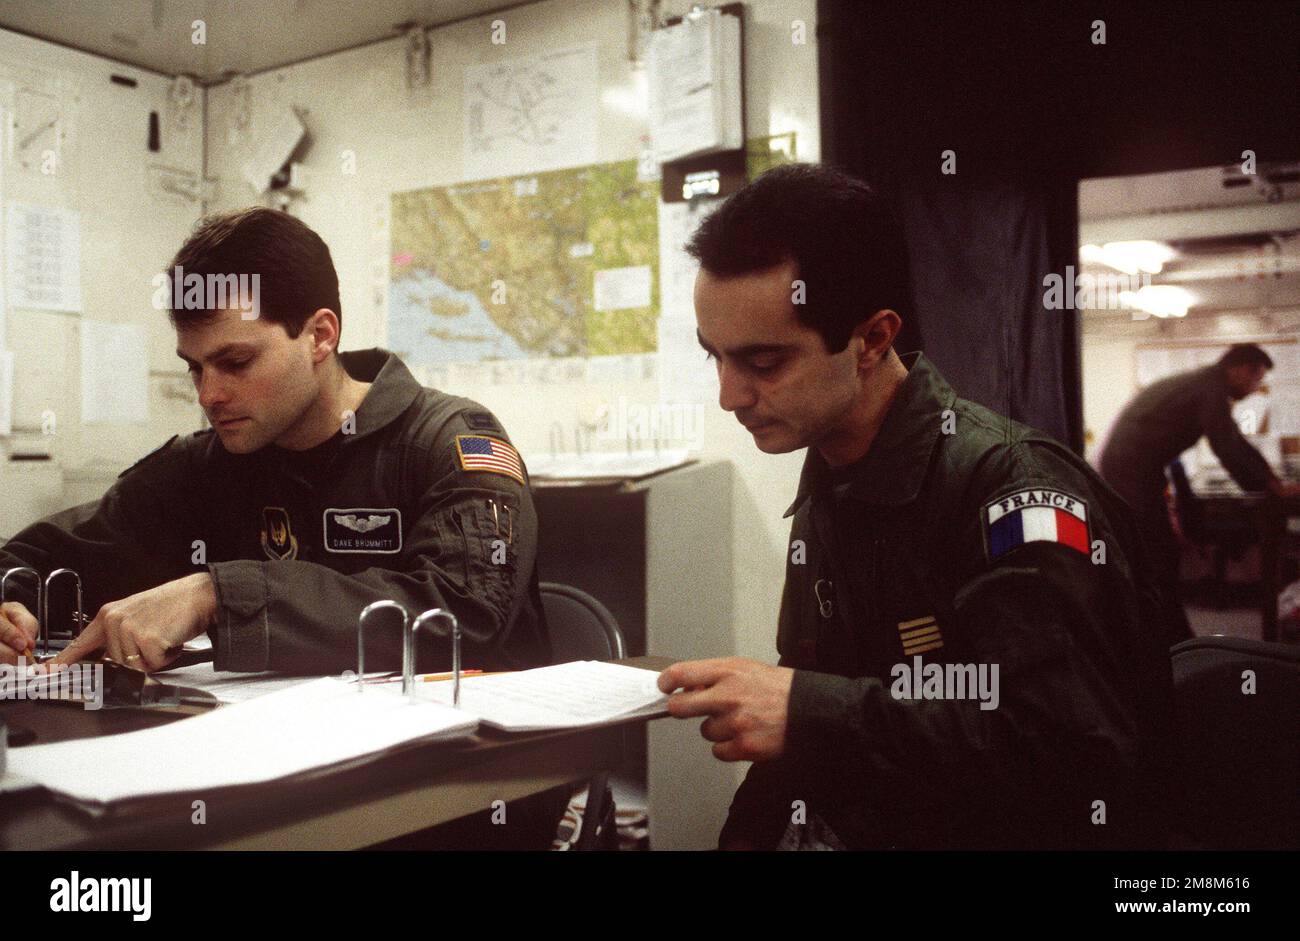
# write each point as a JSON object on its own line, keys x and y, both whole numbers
{"x": 969, "y": 655}
{"x": 327, "y": 482}
{"x": 1160, "y": 423}
{"x": 296, "y": 543}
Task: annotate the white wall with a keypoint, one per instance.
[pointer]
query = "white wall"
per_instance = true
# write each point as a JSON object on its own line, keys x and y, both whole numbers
{"x": 126, "y": 238}
{"x": 357, "y": 101}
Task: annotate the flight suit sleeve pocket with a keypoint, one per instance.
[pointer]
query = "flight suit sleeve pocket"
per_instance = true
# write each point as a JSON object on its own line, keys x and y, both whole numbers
{"x": 480, "y": 532}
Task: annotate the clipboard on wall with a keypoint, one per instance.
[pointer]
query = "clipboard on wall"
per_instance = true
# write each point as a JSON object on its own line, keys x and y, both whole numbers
{"x": 678, "y": 102}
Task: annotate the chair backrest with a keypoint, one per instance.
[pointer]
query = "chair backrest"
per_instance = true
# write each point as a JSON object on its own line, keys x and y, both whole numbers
{"x": 1238, "y": 752}
{"x": 581, "y": 628}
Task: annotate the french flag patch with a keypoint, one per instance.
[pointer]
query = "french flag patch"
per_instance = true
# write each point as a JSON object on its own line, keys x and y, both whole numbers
{"x": 1036, "y": 516}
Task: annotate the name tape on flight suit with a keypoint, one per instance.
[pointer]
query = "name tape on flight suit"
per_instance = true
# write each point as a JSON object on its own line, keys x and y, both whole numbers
{"x": 363, "y": 529}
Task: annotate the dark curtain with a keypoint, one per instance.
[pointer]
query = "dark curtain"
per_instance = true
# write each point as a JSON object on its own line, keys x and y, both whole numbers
{"x": 979, "y": 249}
{"x": 1029, "y": 105}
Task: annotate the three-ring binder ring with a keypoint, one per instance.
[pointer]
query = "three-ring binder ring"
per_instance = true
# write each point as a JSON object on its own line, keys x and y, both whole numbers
{"x": 366, "y": 612}
{"x": 408, "y": 664}
{"x": 40, "y": 591}
{"x": 79, "y": 620}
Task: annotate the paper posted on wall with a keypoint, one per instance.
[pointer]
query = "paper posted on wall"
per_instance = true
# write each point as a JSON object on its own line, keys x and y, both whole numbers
{"x": 114, "y": 373}
{"x": 44, "y": 257}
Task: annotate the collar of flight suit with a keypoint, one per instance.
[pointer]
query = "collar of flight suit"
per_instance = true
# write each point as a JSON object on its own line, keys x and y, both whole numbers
{"x": 893, "y": 469}
{"x": 391, "y": 392}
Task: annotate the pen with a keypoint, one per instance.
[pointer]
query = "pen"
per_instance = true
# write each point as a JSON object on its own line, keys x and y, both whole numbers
{"x": 432, "y": 677}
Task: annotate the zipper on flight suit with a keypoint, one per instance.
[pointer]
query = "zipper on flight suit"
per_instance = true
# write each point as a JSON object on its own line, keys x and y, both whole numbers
{"x": 877, "y": 641}
{"x": 861, "y": 616}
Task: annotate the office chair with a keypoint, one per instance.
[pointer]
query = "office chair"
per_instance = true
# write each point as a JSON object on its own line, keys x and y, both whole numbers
{"x": 582, "y": 628}
{"x": 1238, "y": 757}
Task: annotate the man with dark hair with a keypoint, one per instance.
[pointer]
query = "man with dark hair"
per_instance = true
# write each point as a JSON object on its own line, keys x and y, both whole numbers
{"x": 1160, "y": 423}
{"x": 327, "y": 481}
{"x": 965, "y": 659}
{"x": 813, "y": 212}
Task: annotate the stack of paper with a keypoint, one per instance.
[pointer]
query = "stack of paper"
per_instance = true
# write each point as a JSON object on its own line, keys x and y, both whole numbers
{"x": 694, "y": 70}
{"x": 306, "y": 728}
{"x": 572, "y": 695}
{"x": 233, "y": 687}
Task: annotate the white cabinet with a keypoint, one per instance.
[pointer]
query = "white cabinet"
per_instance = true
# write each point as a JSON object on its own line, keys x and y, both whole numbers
{"x": 658, "y": 554}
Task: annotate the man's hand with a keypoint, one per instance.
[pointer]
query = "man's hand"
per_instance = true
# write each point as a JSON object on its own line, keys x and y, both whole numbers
{"x": 18, "y": 631}
{"x": 146, "y": 631}
{"x": 746, "y": 703}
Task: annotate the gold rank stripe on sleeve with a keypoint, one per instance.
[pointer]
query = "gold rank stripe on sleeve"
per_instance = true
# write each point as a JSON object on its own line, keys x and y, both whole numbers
{"x": 920, "y": 635}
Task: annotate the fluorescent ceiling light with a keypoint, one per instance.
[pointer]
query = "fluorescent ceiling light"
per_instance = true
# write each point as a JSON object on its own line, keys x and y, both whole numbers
{"x": 1162, "y": 300}
{"x": 1129, "y": 257}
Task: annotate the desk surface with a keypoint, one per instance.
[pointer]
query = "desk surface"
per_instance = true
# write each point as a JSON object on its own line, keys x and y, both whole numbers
{"x": 348, "y": 808}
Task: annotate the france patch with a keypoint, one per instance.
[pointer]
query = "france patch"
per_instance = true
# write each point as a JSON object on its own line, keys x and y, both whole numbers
{"x": 1036, "y": 515}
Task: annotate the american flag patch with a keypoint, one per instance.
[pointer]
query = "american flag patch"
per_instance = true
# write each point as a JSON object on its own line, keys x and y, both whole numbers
{"x": 480, "y": 453}
{"x": 1037, "y": 516}
{"x": 919, "y": 635}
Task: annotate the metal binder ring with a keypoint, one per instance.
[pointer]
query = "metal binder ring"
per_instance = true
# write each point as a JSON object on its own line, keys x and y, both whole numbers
{"x": 361, "y": 648}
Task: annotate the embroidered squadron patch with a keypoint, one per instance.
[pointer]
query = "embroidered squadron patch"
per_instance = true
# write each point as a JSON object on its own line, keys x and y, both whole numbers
{"x": 481, "y": 453}
{"x": 278, "y": 540}
{"x": 919, "y": 635}
{"x": 1037, "y": 515}
{"x": 362, "y": 529}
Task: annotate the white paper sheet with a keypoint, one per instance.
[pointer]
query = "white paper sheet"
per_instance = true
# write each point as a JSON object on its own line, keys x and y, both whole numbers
{"x": 622, "y": 288}
{"x": 684, "y": 90}
{"x": 114, "y": 373}
{"x": 677, "y": 270}
{"x": 235, "y": 687}
{"x": 231, "y": 687}
{"x": 570, "y": 695}
{"x": 531, "y": 114}
{"x": 44, "y": 256}
{"x": 694, "y": 71}
{"x": 307, "y": 727}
